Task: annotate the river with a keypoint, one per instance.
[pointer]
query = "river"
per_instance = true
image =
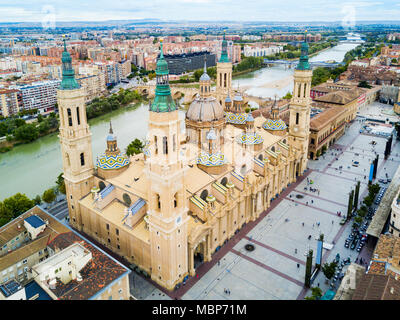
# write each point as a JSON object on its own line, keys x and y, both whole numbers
{"x": 34, "y": 167}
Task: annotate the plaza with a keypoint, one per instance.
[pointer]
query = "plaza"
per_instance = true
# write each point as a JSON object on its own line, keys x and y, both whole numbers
{"x": 275, "y": 269}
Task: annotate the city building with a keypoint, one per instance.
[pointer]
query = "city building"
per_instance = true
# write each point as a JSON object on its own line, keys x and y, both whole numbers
{"x": 41, "y": 256}
{"x": 179, "y": 64}
{"x": 260, "y": 51}
{"x": 9, "y": 104}
{"x": 40, "y": 95}
{"x": 168, "y": 209}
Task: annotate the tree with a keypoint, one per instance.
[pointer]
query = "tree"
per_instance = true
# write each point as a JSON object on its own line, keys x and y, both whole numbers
{"x": 350, "y": 205}
{"x": 364, "y": 84}
{"x": 356, "y": 195}
{"x": 18, "y": 204}
{"x": 358, "y": 219}
{"x": 61, "y": 183}
{"x": 26, "y": 133}
{"x": 49, "y": 196}
{"x": 316, "y": 294}
{"x": 135, "y": 147}
{"x": 37, "y": 200}
{"x": 368, "y": 201}
{"x": 6, "y": 214}
{"x": 288, "y": 96}
{"x": 329, "y": 269}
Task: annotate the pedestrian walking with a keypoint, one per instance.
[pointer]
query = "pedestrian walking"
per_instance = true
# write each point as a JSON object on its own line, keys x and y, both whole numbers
{"x": 312, "y": 201}
{"x": 219, "y": 263}
{"x": 298, "y": 265}
{"x": 295, "y": 250}
{"x": 332, "y": 221}
{"x": 303, "y": 224}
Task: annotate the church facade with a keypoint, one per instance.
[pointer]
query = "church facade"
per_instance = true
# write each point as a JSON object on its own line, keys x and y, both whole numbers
{"x": 171, "y": 207}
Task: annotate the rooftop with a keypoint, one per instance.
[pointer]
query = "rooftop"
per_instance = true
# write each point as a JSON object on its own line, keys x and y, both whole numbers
{"x": 325, "y": 117}
{"x": 341, "y": 97}
{"x": 377, "y": 287}
{"x": 34, "y": 221}
{"x": 100, "y": 272}
{"x": 16, "y": 227}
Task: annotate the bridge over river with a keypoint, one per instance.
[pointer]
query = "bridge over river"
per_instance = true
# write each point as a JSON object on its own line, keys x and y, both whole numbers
{"x": 314, "y": 64}
{"x": 189, "y": 94}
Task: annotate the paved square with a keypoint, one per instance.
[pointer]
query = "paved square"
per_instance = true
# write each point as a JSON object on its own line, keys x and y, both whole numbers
{"x": 275, "y": 269}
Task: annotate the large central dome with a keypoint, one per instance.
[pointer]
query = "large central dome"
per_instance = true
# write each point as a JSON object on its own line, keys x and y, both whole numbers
{"x": 204, "y": 109}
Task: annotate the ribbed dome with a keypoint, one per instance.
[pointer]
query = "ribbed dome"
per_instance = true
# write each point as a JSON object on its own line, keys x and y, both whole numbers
{"x": 205, "y": 109}
{"x": 205, "y": 77}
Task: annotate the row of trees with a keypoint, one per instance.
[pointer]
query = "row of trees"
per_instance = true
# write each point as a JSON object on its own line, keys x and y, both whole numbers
{"x": 249, "y": 63}
{"x": 293, "y": 52}
{"x": 18, "y": 130}
{"x": 100, "y": 106}
{"x": 12, "y": 207}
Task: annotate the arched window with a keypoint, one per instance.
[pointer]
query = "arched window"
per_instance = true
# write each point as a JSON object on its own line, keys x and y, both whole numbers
{"x": 260, "y": 157}
{"x": 165, "y": 145}
{"x": 224, "y": 181}
{"x": 82, "y": 159}
{"x": 204, "y": 194}
{"x": 155, "y": 144}
{"x": 158, "y": 201}
{"x": 127, "y": 199}
{"x": 297, "y": 117}
{"x": 225, "y": 84}
{"x": 299, "y": 91}
{"x": 77, "y": 116}
{"x": 69, "y": 117}
{"x": 175, "y": 200}
{"x": 243, "y": 170}
{"x": 305, "y": 89}
{"x": 273, "y": 148}
{"x": 101, "y": 185}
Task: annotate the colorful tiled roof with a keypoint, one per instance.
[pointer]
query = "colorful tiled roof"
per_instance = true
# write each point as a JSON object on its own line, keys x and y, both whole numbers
{"x": 250, "y": 138}
{"x": 111, "y": 162}
{"x": 236, "y": 118}
{"x": 271, "y": 124}
{"x": 211, "y": 160}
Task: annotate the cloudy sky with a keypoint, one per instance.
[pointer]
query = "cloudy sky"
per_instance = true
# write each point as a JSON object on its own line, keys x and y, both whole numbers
{"x": 215, "y": 10}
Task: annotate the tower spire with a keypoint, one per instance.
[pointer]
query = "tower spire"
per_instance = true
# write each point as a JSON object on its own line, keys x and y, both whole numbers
{"x": 111, "y": 130}
{"x": 163, "y": 101}
{"x": 224, "y": 53}
{"x": 68, "y": 75}
{"x": 303, "y": 62}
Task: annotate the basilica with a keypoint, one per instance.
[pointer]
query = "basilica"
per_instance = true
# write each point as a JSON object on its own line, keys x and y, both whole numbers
{"x": 170, "y": 208}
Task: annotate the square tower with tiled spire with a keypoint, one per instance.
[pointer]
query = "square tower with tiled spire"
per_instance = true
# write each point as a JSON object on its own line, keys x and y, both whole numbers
{"x": 75, "y": 140}
{"x": 167, "y": 207}
{"x": 300, "y": 105}
{"x": 224, "y": 75}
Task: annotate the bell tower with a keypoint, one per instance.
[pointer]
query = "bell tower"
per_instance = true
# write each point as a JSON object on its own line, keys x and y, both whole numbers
{"x": 167, "y": 207}
{"x": 75, "y": 140}
{"x": 299, "y": 122}
{"x": 224, "y": 75}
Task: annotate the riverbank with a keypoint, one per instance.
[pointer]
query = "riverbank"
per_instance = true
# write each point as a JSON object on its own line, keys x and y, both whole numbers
{"x": 97, "y": 108}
